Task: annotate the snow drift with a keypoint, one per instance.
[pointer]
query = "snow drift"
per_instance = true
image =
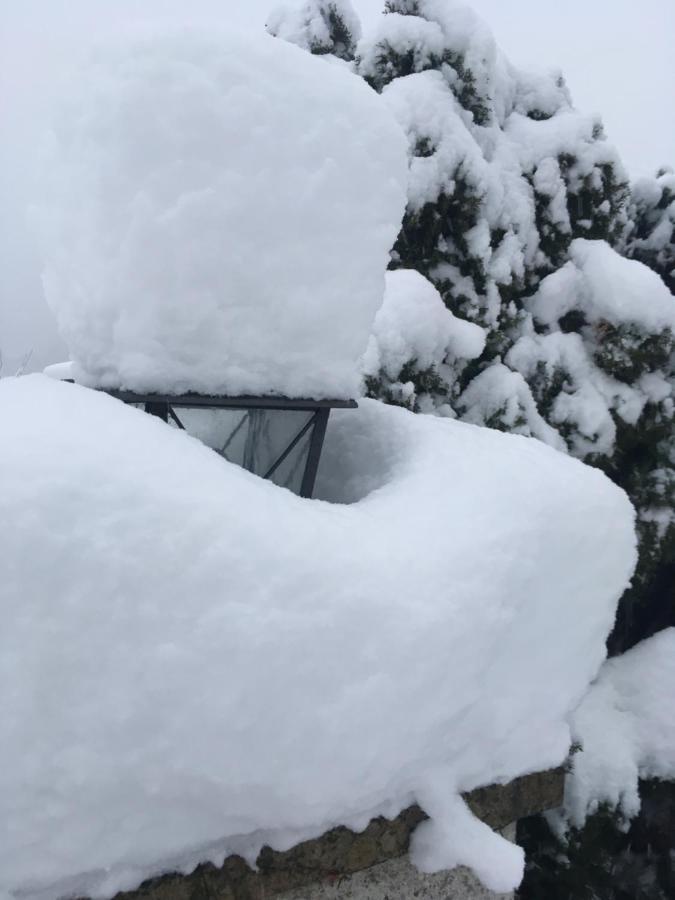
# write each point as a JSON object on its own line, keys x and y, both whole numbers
{"x": 217, "y": 217}
{"x": 195, "y": 662}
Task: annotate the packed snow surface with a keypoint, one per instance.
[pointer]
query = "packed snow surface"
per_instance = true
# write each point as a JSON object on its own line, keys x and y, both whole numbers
{"x": 196, "y": 662}
{"x": 626, "y": 728}
{"x": 217, "y": 217}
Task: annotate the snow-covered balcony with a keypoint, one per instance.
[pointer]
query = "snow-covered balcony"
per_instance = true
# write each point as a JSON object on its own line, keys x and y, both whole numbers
{"x": 199, "y": 662}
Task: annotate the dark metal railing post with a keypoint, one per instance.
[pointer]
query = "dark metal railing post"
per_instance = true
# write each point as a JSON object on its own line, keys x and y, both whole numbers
{"x": 159, "y": 409}
{"x": 314, "y": 455}
{"x": 289, "y": 449}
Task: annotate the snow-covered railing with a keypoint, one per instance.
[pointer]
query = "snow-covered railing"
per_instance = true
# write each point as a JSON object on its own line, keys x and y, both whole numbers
{"x": 278, "y": 438}
{"x": 340, "y": 658}
{"x": 286, "y": 666}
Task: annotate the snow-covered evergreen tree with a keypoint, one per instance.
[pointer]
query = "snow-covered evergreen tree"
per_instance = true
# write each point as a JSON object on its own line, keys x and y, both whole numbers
{"x": 504, "y": 173}
{"x": 520, "y": 216}
{"x": 320, "y": 26}
{"x": 651, "y": 236}
{"x": 418, "y": 348}
{"x": 517, "y": 209}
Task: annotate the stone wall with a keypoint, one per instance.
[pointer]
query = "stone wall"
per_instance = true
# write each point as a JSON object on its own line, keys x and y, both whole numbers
{"x": 370, "y": 865}
{"x": 397, "y": 879}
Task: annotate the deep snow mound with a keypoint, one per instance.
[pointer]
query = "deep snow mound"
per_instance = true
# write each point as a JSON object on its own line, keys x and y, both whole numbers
{"x": 196, "y": 662}
{"x": 217, "y": 217}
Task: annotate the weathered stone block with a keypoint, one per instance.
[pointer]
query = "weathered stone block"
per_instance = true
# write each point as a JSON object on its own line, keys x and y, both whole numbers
{"x": 328, "y": 866}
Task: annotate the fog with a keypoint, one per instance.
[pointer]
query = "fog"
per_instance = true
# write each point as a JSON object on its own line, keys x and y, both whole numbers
{"x": 616, "y": 55}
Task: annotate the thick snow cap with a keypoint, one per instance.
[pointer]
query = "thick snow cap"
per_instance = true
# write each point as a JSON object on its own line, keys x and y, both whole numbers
{"x": 217, "y": 218}
{"x": 198, "y": 670}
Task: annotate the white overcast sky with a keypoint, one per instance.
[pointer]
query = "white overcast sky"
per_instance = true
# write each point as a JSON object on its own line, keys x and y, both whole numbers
{"x": 618, "y": 57}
